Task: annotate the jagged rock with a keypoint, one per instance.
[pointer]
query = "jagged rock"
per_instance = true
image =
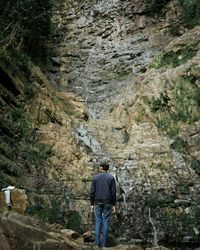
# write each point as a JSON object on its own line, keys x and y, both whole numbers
{"x": 56, "y": 61}
{"x": 21, "y": 233}
{"x": 89, "y": 236}
{"x": 106, "y": 58}
{"x": 111, "y": 46}
{"x": 72, "y": 234}
{"x": 106, "y": 49}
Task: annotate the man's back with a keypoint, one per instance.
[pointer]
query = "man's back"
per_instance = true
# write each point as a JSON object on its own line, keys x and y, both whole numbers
{"x": 103, "y": 188}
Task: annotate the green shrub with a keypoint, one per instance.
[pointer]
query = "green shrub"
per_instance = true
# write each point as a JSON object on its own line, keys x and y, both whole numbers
{"x": 174, "y": 30}
{"x": 74, "y": 220}
{"x": 173, "y": 59}
{"x": 186, "y": 101}
{"x": 29, "y": 90}
{"x": 197, "y": 97}
{"x": 195, "y": 164}
{"x": 183, "y": 108}
{"x": 36, "y": 153}
{"x": 190, "y": 12}
{"x": 123, "y": 74}
{"x": 19, "y": 151}
{"x": 159, "y": 104}
{"x": 51, "y": 213}
{"x": 21, "y": 62}
{"x": 21, "y": 124}
{"x": 157, "y": 199}
{"x": 179, "y": 144}
{"x": 183, "y": 187}
{"x": 197, "y": 143}
{"x": 168, "y": 125}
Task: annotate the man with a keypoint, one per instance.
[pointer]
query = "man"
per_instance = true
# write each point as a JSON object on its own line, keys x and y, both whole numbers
{"x": 103, "y": 199}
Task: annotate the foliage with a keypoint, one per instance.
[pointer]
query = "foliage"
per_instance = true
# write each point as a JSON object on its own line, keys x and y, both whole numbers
{"x": 183, "y": 109}
{"x": 197, "y": 143}
{"x": 17, "y": 64}
{"x": 26, "y": 23}
{"x": 54, "y": 212}
{"x": 157, "y": 199}
{"x": 74, "y": 220}
{"x": 174, "y": 30}
{"x": 159, "y": 103}
{"x": 197, "y": 97}
{"x": 190, "y": 12}
{"x": 195, "y": 164}
{"x": 19, "y": 151}
{"x": 36, "y": 153}
{"x": 186, "y": 101}
{"x": 183, "y": 187}
{"x": 14, "y": 126}
{"x": 4, "y": 182}
{"x": 155, "y": 6}
{"x": 179, "y": 144}
{"x": 175, "y": 58}
{"x": 51, "y": 213}
{"x": 29, "y": 90}
{"x": 167, "y": 125}
{"x": 179, "y": 224}
{"x": 123, "y": 74}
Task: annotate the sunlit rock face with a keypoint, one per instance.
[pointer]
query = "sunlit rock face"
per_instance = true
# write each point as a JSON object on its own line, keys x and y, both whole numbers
{"x": 114, "y": 100}
{"x": 106, "y": 55}
{"x": 105, "y": 45}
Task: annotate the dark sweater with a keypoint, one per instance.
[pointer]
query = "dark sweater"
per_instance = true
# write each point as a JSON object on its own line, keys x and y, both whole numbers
{"x": 103, "y": 189}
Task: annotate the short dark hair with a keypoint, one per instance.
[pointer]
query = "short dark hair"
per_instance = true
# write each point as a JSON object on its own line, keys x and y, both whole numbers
{"x": 104, "y": 165}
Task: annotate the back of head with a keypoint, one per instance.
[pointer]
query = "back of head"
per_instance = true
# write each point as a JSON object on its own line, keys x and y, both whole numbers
{"x": 104, "y": 165}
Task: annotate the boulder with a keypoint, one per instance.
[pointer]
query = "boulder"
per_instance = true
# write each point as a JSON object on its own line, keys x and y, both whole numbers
{"x": 89, "y": 236}
{"x": 4, "y": 242}
{"x": 71, "y": 234}
{"x": 21, "y": 232}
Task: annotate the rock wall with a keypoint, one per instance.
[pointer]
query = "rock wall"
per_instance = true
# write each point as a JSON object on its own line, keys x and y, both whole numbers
{"x": 21, "y": 232}
{"x": 105, "y": 56}
{"x": 112, "y": 99}
{"x": 104, "y": 45}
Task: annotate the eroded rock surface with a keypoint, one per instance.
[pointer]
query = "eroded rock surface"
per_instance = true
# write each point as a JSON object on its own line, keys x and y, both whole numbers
{"x": 114, "y": 100}
{"x": 106, "y": 57}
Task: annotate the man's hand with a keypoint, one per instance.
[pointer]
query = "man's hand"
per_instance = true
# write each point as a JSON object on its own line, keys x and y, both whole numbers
{"x": 113, "y": 210}
{"x": 92, "y": 208}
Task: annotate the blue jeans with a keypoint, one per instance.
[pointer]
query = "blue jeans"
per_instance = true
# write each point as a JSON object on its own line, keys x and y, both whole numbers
{"x": 102, "y": 217}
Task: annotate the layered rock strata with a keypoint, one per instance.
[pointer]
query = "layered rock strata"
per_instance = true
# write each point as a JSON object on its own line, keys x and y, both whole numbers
{"x": 104, "y": 57}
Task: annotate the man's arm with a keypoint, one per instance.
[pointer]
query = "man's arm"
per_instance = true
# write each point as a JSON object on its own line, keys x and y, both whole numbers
{"x": 113, "y": 191}
{"x": 92, "y": 195}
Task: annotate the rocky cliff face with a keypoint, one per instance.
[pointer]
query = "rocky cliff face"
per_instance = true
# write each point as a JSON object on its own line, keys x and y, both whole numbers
{"x": 38, "y": 148}
{"x": 106, "y": 57}
{"x": 105, "y": 44}
{"x": 125, "y": 90}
